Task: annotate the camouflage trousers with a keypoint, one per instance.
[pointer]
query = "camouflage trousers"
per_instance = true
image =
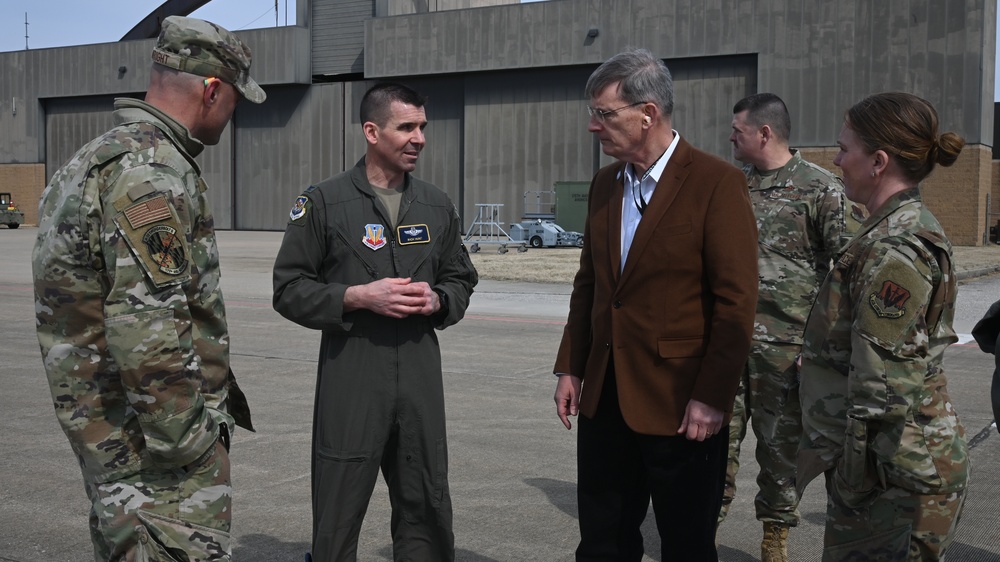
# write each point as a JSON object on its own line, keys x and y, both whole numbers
{"x": 768, "y": 397}
{"x": 900, "y": 525}
{"x": 165, "y": 515}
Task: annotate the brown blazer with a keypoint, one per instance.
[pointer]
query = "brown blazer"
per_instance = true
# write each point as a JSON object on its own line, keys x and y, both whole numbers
{"x": 679, "y": 317}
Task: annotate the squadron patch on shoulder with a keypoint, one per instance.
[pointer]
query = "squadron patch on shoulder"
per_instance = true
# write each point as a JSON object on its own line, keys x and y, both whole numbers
{"x": 166, "y": 249}
{"x": 413, "y": 234}
{"x": 890, "y": 300}
{"x": 299, "y": 208}
{"x": 374, "y": 236}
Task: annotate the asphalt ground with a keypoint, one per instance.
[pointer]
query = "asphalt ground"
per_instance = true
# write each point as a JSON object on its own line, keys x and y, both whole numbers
{"x": 512, "y": 464}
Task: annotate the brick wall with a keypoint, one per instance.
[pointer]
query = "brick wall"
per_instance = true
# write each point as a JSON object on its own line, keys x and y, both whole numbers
{"x": 994, "y": 194}
{"x": 25, "y": 183}
{"x": 957, "y": 195}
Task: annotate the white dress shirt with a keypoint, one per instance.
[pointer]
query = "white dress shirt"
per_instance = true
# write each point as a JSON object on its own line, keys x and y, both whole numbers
{"x": 640, "y": 187}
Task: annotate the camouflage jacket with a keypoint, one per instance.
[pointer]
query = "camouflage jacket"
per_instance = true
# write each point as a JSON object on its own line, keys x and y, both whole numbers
{"x": 874, "y": 401}
{"x": 129, "y": 312}
{"x": 802, "y": 225}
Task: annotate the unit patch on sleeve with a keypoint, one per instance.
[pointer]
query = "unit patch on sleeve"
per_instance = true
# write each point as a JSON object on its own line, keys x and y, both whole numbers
{"x": 374, "y": 236}
{"x": 893, "y": 297}
{"x": 299, "y": 208}
{"x": 156, "y": 239}
{"x": 890, "y": 300}
{"x": 166, "y": 249}
{"x": 413, "y": 234}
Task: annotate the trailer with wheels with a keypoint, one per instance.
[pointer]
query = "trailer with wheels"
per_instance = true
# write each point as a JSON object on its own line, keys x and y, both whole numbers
{"x": 539, "y": 233}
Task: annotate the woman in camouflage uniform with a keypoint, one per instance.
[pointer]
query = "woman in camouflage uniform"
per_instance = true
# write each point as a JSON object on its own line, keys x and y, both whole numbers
{"x": 877, "y": 419}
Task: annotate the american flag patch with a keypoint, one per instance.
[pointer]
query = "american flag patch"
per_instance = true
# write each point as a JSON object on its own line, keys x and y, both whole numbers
{"x": 147, "y": 212}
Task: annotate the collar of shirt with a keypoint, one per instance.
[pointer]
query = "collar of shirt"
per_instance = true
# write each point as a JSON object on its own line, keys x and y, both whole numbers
{"x": 644, "y": 185}
{"x": 634, "y": 186}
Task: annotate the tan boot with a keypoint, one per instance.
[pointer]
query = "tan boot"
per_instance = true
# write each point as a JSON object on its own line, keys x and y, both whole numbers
{"x": 774, "y": 547}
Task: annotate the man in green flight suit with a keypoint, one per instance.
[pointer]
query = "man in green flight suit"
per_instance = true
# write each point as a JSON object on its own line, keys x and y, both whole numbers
{"x": 374, "y": 258}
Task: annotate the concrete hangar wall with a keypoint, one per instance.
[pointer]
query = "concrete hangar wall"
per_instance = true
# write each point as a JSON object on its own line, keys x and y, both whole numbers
{"x": 505, "y": 85}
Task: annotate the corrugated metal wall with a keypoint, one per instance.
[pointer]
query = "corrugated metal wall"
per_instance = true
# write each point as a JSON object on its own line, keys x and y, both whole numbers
{"x": 705, "y": 91}
{"x": 441, "y": 160}
{"x": 523, "y": 132}
{"x": 280, "y": 56}
{"x": 401, "y": 7}
{"x": 69, "y": 123}
{"x": 505, "y": 86}
{"x": 72, "y": 122}
{"x": 284, "y": 145}
{"x": 216, "y": 163}
{"x": 338, "y": 35}
{"x": 821, "y": 55}
{"x": 526, "y": 130}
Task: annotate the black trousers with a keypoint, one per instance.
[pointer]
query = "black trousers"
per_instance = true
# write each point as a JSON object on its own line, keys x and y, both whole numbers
{"x": 621, "y": 470}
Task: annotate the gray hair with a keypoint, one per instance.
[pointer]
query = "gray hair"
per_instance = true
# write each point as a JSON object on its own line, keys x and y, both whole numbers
{"x": 642, "y": 77}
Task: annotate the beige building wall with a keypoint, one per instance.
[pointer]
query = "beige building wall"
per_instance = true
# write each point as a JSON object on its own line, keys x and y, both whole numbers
{"x": 957, "y": 195}
{"x": 25, "y": 183}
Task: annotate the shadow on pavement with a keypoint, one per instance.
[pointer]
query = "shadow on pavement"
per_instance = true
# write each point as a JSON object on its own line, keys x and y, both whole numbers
{"x": 461, "y": 555}
{"x": 265, "y": 548}
{"x": 561, "y": 494}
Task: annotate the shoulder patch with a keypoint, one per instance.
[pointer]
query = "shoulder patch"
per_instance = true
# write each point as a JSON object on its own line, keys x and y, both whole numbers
{"x": 299, "y": 208}
{"x": 890, "y": 300}
{"x": 894, "y": 299}
{"x": 166, "y": 250}
{"x": 157, "y": 241}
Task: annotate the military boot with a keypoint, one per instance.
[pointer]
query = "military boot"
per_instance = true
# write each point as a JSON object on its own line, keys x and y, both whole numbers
{"x": 774, "y": 547}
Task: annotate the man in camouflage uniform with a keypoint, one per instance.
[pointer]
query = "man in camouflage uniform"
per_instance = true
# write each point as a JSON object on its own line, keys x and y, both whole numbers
{"x": 886, "y": 434}
{"x": 800, "y": 210}
{"x": 130, "y": 316}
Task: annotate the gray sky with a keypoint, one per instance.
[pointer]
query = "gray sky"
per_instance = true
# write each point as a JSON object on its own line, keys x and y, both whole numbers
{"x": 58, "y": 23}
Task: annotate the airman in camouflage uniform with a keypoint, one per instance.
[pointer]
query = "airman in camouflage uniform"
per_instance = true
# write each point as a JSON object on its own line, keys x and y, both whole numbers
{"x": 877, "y": 419}
{"x": 802, "y": 222}
{"x": 129, "y": 313}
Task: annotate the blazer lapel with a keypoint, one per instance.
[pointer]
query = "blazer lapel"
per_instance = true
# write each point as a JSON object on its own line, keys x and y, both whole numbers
{"x": 671, "y": 182}
{"x": 615, "y": 221}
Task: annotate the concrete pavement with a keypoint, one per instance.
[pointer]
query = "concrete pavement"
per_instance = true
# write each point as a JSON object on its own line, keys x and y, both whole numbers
{"x": 512, "y": 464}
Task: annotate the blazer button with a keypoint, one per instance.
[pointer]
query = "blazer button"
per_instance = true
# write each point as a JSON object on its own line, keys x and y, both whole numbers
{"x": 607, "y": 345}
{"x": 618, "y": 304}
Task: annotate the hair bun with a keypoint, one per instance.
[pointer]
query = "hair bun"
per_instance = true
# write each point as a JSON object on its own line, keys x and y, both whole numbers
{"x": 947, "y": 149}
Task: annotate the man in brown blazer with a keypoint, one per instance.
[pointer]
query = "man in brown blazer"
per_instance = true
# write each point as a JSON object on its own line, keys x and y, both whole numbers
{"x": 659, "y": 324}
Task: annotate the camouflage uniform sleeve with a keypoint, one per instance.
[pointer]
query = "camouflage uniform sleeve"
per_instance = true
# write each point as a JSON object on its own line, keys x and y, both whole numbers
{"x": 830, "y": 226}
{"x": 146, "y": 244}
{"x": 888, "y": 362}
{"x": 456, "y": 277}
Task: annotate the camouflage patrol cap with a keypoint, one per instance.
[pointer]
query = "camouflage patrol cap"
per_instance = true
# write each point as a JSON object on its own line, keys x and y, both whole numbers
{"x": 203, "y": 48}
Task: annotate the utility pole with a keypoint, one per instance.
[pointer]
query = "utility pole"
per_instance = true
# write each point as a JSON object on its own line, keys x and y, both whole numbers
{"x": 25, "y": 31}
{"x": 275, "y": 13}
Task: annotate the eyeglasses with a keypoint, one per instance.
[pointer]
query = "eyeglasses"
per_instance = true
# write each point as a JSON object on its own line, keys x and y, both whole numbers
{"x": 603, "y": 114}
